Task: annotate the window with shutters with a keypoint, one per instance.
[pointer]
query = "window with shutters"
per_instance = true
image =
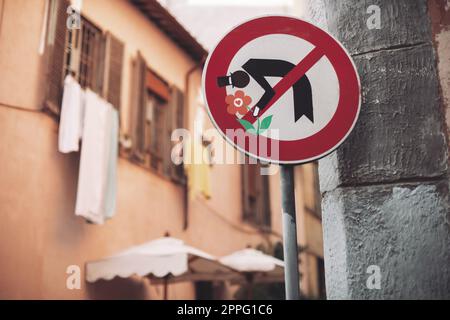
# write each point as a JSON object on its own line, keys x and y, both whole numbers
{"x": 93, "y": 57}
{"x": 157, "y": 109}
{"x": 89, "y": 71}
{"x": 255, "y": 196}
{"x": 155, "y": 123}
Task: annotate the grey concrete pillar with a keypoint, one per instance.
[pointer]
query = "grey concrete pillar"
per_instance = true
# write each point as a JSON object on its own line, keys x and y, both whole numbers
{"x": 386, "y": 190}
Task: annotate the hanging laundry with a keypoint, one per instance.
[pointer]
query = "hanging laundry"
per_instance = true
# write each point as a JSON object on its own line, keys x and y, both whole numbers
{"x": 94, "y": 160}
{"x": 70, "y": 125}
{"x": 197, "y": 169}
{"x": 111, "y": 183}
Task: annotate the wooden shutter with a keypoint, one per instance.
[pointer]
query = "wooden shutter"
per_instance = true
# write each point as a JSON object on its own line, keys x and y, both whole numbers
{"x": 260, "y": 196}
{"x": 175, "y": 121}
{"x": 74, "y": 53}
{"x": 138, "y": 101}
{"x": 170, "y": 116}
{"x": 92, "y": 56}
{"x": 158, "y": 140}
{"x": 179, "y": 118}
{"x": 247, "y": 210}
{"x": 264, "y": 200}
{"x": 255, "y": 195}
{"x": 99, "y": 67}
{"x": 56, "y": 57}
{"x": 113, "y": 71}
{"x": 178, "y": 170}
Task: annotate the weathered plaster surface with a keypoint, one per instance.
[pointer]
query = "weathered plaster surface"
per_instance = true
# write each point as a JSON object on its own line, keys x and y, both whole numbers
{"x": 399, "y": 133}
{"x": 385, "y": 191}
{"x": 403, "y": 229}
{"x": 403, "y": 22}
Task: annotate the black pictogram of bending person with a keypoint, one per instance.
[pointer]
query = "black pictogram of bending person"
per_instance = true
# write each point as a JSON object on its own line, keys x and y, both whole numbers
{"x": 259, "y": 69}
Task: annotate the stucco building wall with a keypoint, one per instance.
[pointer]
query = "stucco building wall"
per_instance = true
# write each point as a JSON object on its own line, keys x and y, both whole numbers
{"x": 40, "y": 236}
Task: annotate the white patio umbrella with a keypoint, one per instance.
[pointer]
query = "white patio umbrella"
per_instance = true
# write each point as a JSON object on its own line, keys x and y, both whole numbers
{"x": 254, "y": 266}
{"x": 163, "y": 260}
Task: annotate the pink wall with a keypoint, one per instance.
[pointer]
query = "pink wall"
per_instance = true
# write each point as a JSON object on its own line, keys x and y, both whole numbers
{"x": 39, "y": 233}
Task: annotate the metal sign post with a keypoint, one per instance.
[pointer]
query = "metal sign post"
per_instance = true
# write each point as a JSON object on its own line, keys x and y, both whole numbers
{"x": 290, "y": 251}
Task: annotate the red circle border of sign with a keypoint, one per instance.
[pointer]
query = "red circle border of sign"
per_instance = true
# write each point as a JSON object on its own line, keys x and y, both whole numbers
{"x": 296, "y": 151}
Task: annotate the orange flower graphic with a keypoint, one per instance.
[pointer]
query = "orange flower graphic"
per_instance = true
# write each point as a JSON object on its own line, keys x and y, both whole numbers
{"x": 238, "y": 102}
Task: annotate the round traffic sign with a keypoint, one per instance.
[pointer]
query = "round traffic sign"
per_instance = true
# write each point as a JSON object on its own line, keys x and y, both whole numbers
{"x": 282, "y": 90}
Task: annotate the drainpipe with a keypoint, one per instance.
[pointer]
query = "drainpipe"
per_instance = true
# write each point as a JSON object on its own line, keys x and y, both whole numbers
{"x": 198, "y": 65}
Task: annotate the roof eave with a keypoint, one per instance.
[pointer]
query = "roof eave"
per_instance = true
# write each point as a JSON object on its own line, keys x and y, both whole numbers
{"x": 156, "y": 13}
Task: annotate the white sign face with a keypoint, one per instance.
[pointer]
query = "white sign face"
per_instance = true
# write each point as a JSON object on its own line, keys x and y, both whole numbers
{"x": 322, "y": 76}
{"x": 283, "y": 75}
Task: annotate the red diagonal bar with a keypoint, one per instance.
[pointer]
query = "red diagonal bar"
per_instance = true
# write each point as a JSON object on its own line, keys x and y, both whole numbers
{"x": 289, "y": 80}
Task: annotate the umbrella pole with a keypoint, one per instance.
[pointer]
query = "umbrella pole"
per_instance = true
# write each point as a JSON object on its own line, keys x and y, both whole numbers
{"x": 250, "y": 291}
{"x": 249, "y": 278}
{"x": 166, "y": 289}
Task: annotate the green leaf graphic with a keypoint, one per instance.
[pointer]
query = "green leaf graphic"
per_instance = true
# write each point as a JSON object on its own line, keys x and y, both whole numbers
{"x": 265, "y": 124}
{"x": 247, "y": 125}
